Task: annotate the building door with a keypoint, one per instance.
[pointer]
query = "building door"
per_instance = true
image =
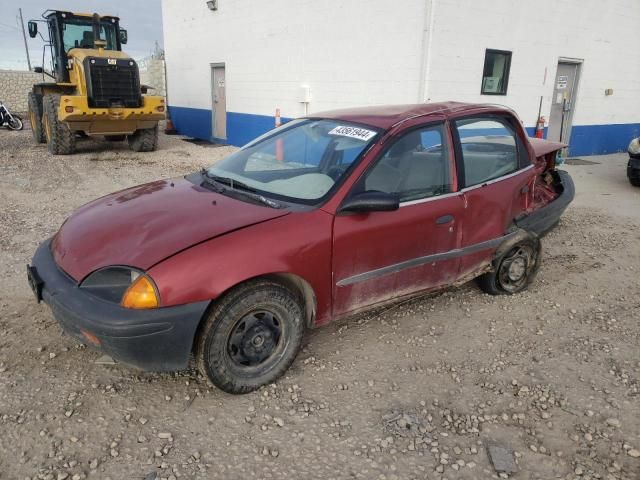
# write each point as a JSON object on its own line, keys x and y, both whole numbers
{"x": 219, "y": 98}
{"x": 563, "y": 101}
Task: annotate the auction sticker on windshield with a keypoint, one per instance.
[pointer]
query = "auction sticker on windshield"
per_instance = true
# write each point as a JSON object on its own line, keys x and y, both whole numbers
{"x": 353, "y": 132}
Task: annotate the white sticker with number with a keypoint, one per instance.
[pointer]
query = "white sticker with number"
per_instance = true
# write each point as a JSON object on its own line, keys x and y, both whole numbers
{"x": 353, "y": 132}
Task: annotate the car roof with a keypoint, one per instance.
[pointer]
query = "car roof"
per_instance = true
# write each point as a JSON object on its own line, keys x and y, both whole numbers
{"x": 386, "y": 116}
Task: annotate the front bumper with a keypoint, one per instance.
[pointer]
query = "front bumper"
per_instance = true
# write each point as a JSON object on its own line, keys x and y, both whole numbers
{"x": 543, "y": 219}
{"x": 101, "y": 121}
{"x": 633, "y": 169}
{"x": 155, "y": 340}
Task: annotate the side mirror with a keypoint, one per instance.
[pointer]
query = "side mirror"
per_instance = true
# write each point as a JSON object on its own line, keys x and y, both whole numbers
{"x": 38, "y": 69}
{"x": 33, "y": 28}
{"x": 123, "y": 36}
{"x": 370, "y": 202}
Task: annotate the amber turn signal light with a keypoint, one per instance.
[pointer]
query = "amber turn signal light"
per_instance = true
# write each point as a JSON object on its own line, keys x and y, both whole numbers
{"x": 68, "y": 109}
{"x": 160, "y": 108}
{"x": 141, "y": 294}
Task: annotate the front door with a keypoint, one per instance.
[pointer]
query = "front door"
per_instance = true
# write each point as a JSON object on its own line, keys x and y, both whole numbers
{"x": 219, "y": 97}
{"x": 382, "y": 255}
{"x": 563, "y": 102}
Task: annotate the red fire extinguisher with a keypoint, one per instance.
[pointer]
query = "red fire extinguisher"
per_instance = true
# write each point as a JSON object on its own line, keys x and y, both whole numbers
{"x": 540, "y": 127}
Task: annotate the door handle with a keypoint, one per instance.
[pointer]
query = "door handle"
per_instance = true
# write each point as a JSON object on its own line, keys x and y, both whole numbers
{"x": 444, "y": 219}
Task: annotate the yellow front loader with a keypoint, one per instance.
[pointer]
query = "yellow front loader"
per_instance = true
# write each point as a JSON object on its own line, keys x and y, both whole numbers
{"x": 95, "y": 88}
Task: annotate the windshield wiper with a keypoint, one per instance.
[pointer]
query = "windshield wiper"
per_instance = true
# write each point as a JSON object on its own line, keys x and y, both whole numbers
{"x": 211, "y": 181}
{"x": 240, "y": 187}
{"x": 230, "y": 182}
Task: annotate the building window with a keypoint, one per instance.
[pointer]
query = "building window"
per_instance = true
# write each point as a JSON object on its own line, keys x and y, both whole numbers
{"x": 495, "y": 76}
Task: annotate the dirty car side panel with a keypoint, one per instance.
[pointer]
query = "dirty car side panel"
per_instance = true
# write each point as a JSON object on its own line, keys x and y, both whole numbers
{"x": 297, "y": 244}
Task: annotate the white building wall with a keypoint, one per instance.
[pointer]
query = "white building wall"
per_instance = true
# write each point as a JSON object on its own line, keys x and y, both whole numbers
{"x": 354, "y": 52}
{"x": 364, "y": 52}
{"x": 605, "y": 34}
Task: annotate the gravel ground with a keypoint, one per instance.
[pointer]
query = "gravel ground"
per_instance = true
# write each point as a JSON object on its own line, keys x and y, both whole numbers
{"x": 418, "y": 390}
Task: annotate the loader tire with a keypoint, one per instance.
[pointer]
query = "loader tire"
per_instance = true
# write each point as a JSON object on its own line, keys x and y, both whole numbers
{"x": 60, "y": 139}
{"x": 144, "y": 140}
{"x": 35, "y": 117}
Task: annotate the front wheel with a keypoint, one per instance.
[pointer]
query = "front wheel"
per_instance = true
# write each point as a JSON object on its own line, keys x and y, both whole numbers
{"x": 514, "y": 268}
{"x": 60, "y": 139}
{"x": 251, "y": 336}
{"x": 15, "y": 123}
{"x": 144, "y": 140}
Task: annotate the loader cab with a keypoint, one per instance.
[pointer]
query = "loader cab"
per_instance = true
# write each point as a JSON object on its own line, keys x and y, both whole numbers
{"x": 68, "y": 31}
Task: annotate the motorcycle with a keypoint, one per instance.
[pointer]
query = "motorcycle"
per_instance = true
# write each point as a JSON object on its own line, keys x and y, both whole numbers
{"x": 8, "y": 119}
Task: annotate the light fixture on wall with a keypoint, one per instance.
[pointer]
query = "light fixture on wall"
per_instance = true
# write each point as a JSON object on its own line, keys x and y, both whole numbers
{"x": 212, "y": 4}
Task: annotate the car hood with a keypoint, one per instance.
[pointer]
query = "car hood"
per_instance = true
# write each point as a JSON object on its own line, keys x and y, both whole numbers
{"x": 143, "y": 225}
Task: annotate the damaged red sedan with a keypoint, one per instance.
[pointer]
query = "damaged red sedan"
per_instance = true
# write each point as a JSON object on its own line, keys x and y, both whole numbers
{"x": 321, "y": 218}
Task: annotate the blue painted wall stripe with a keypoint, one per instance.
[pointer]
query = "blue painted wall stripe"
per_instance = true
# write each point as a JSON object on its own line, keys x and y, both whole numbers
{"x": 244, "y": 127}
{"x": 602, "y": 139}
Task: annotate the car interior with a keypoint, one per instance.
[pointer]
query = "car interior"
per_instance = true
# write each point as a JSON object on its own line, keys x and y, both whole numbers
{"x": 411, "y": 169}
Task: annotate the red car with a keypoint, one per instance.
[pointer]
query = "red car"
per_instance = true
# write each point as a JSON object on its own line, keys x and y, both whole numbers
{"x": 321, "y": 218}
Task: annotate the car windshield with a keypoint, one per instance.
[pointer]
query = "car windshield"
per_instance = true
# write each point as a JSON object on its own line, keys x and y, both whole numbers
{"x": 78, "y": 33}
{"x": 299, "y": 162}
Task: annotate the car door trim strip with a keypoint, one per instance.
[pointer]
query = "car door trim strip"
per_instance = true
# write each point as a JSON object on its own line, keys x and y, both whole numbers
{"x": 467, "y": 189}
{"x": 415, "y": 262}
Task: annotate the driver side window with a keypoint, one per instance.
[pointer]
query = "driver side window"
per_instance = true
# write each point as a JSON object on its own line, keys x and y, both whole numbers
{"x": 415, "y": 166}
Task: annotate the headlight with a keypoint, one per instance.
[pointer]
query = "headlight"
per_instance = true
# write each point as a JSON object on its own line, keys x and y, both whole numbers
{"x": 634, "y": 147}
{"x": 127, "y": 286}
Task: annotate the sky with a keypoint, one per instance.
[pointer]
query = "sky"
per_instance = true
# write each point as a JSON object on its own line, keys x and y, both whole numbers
{"x": 141, "y": 18}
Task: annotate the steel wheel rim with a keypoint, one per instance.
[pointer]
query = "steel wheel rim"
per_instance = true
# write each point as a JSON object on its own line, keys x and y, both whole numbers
{"x": 516, "y": 267}
{"x": 255, "y": 340}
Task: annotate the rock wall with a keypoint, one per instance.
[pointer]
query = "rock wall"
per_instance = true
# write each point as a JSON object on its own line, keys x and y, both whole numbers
{"x": 15, "y": 86}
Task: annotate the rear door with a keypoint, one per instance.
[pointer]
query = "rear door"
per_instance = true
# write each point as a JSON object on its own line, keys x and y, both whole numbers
{"x": 495, "y": 173}
{"x": 382, "y": 255}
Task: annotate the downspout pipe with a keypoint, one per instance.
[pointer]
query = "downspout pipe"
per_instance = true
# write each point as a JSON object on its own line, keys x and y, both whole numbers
{"x": 425, "y": 52}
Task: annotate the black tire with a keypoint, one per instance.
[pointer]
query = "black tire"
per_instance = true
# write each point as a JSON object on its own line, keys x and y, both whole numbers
{"x": 15, "y": 123}
{"x": 60, "y": 139}
{"x": 114, "y": 138}
{"x": 144, "y": 140}
{"x": 516, "y": 265}
{"x": 227, "y": 348}
{"x": 634, "y": 181}
{"x": 35, "y": 117}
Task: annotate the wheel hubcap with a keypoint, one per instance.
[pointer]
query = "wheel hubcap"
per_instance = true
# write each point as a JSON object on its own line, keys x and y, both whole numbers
{"x": 254, "y": 338}
{"x": 516, "y": 267}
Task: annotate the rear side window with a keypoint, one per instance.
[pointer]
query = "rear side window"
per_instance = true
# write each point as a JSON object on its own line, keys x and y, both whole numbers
{"x": 415, "y": 166}
{"x": 489, "y": 149}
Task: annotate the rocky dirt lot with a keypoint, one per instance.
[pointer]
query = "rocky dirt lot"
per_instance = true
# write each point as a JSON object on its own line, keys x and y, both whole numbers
{"x": 423, "y": 389}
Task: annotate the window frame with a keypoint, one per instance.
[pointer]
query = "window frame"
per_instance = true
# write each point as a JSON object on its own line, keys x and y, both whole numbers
{"x": 509, "y": 55}
{"x": 522, "y": 154}
{"x": 451, "y": 160}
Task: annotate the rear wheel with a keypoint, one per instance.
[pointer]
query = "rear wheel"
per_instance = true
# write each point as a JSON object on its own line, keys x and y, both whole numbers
{"x": 15, "y": 123}
{"x": 35, "y": 117}
{"x": 251, "y": 337}
{"x": 144, "y": 140}
{"x": 60, "y": 139}
{"x": 514, "y": 269}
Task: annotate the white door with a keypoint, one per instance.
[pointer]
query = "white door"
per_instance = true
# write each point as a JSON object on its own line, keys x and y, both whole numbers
{"x": 219, "y": 97}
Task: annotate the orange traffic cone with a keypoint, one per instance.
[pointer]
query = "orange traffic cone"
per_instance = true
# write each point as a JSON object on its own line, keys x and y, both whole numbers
{"x": 169, "y": 129}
